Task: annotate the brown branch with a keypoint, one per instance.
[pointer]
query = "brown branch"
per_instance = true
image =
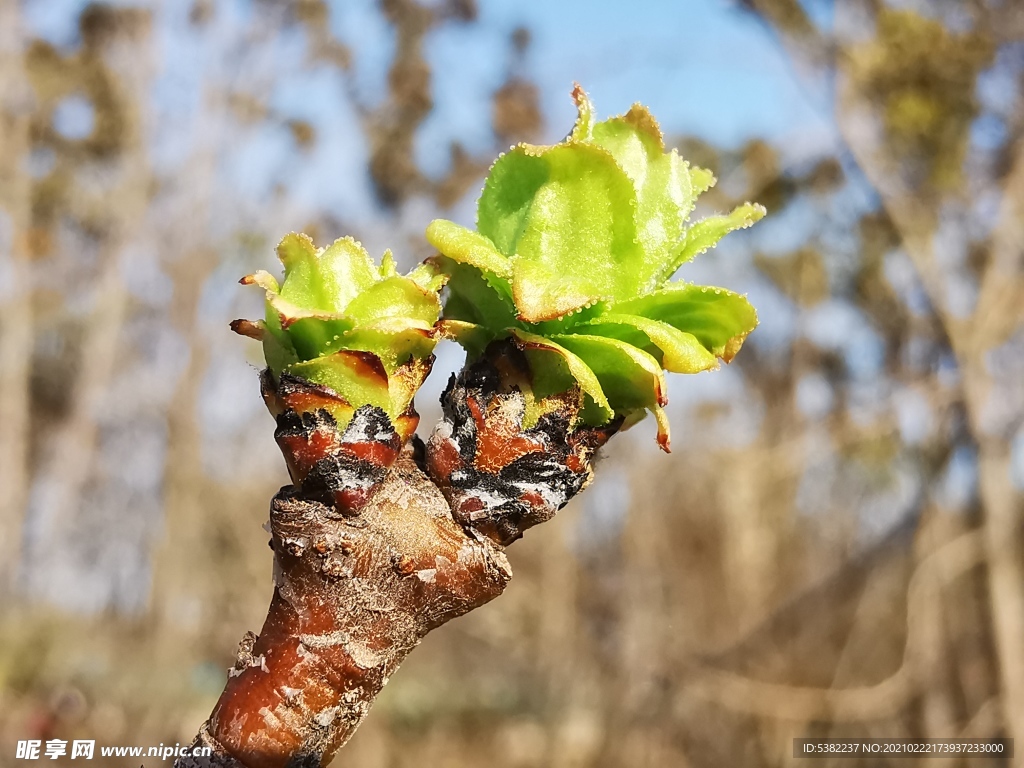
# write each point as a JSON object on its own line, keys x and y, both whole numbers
{"x": 354, "y": 595}
{"x": 370, "y": 557}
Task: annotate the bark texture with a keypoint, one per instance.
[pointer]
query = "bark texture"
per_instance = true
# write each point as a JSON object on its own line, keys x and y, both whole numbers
{"x": 370, "y": 556}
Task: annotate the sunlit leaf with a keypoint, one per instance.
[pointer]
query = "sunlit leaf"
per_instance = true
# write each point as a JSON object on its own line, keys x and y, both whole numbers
{"x": 630, "y": 378}
{"x": 578, "y": 240}
{"x": 429, "y": 276}
{"x": 394, "y": 297}
{"x": 327, "y": 280}
{"x": 681, "y": 352}
{"x": 550, "y": 361}
{"x": 665, "y": 196}
{"x": 341, "y": 321}
{"x": 718, "y": 318}
{"x": 585, "y": 118}
{"x": 358, "y": 377}
{"x": 472, "y": 337}
{"x": 393, "y": 340}
{"x": 467, "y": 247}
{"x": 507, "y": 196}
{"x": 706, "y": 233}
{"x": 574, "y": 246}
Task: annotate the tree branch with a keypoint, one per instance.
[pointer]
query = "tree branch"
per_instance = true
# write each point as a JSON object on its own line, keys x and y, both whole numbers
{"x": 369, "y": 556}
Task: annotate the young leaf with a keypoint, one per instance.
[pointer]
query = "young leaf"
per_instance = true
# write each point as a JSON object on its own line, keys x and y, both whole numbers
{"x": 338, "y": 320}
{"x": 706, "y": 233}
{"x": 664, "y": 192}
{"x": 630, "y": 377}
{"x": 557, "y": 358}
{"x": 719, "y": 319}
{"x": 467, "y": 247}
{"x": 358, "y": 377}
{"x": 474, "y": 298}
{"x": 326, "y": 280}
{"x": 578, "y": 240}
{"x": 575, "y": 245}
{"x": 681, "y": 352}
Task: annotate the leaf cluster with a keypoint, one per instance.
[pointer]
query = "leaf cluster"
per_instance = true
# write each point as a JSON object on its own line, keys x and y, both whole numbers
{"x": 572, "y": 259}
{"x": 341, "y": 321}
{"x": 572, "y": 256}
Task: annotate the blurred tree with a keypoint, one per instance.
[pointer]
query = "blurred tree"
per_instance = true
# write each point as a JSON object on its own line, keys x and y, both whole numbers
{"x": 908, "y": 89}
{"x": 16, "y": 321}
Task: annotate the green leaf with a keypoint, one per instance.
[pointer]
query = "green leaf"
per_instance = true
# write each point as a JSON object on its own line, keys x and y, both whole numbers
{"x": 631, "y": 378}
{"x": 720, "y": 319}
{"x": 555, "y": 369}
{"x": 310, "y": 338}
{"x": 388, "y": 268}
{"x": 644, "y": 122}
{"x": 393, "y": 340}
{"x": 358, "y": 377}
{"x": 706, "y": 233}
{"x": 394, "y": 297}
{"x": 665, "y": 196}
{"x": 305, "y": 285}
{"x": 429, "y": 276}
{"x": 508, "y": 193}
{"x": 277, "y": 346}
{"x": 472, "y": 337}
{"x": 309, "y": 331}
{"x": 403, "y": 385}
{"x": 681, "y": 352}
{"x": 701, "y": 179}
{"x": 585, "y": 117}
{"x": 326, "y": 280}
{"x": 474, "y": 298}
{"x": 573, "y": 247}
{"x": 337, "y": 298}
{"x": 578, "y": 241}
{"x": 318, "y": 286}
{"x": 467, "y": 247}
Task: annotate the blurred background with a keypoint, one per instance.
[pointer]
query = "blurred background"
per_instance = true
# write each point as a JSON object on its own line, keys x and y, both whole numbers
{"x": 833, "y": 548}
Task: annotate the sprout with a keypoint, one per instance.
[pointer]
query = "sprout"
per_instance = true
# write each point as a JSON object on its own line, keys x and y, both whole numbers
{"x": 363, "y": 332}
{"x": 572, "y": 258}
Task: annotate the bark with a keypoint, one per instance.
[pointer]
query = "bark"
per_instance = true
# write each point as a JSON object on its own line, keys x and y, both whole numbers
{"x": 376, "y": 543}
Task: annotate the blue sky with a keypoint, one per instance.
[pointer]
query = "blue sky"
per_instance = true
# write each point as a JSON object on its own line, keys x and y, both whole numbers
{"x": 703, "y": 66}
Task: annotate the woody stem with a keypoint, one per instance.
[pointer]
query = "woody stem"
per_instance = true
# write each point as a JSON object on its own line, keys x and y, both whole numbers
{"x": 369, "y": 555}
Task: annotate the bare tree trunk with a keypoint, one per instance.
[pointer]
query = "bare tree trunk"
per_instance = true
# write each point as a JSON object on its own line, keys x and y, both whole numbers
{"x": 997, "y": 315}
{"x": 16, "y": 321}
{"x": 67, "y": 458}
{"x": 1000, "y": 313}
